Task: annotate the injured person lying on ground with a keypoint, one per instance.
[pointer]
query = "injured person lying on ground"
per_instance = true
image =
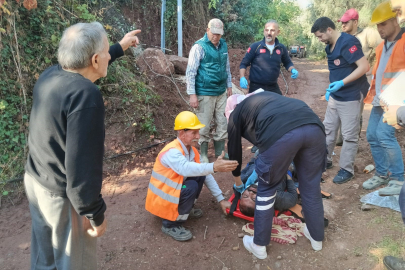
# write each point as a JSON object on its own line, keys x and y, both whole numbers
{"x": 286, "y": 196}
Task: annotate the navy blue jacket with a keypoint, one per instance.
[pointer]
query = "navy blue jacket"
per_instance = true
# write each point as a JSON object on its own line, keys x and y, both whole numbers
{"x": 264, "y": 66}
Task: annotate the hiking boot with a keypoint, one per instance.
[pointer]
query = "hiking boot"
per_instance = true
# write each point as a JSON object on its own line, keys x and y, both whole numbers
{"x": 394, "y": 188}
{"x": 258, "y": 251}
{"x": 254, "y": 149}
{"x": 329, "y": 165}
{"x": 219, "y": 147}
{"x": 343, "y": 176}
{"x": 316, "y": 245}
{"x": 204, "y": 152}
{"x": 375, "y": 182}
{"x": 195, "y": 213}
{"x": 393, "y": 263}
{"x": 178, "y": 233}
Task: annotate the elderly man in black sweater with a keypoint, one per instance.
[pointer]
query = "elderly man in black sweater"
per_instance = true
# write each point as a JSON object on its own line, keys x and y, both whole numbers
{"x": 66, "y": 140}
{"x": 285, "y": 130}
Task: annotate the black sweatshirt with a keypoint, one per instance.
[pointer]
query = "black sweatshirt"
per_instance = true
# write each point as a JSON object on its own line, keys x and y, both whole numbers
{"x": 264, "y": 118}
{"x": 66, "y": 138}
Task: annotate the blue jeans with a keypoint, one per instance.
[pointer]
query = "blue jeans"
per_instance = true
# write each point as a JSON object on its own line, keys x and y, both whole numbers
{"x": 402, "y": 202}
{"x": 384, "y": 146}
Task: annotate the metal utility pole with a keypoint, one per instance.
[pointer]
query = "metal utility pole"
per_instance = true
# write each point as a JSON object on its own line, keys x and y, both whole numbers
{"x": 179, "y": 27}
{"x": 162, "y": 27}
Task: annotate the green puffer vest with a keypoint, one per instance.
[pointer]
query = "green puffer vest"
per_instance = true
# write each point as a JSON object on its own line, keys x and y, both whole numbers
{"x": 211, "y": 75}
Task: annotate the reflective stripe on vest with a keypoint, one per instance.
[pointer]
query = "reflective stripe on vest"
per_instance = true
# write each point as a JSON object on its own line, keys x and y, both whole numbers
{"x": 163, "y": 195}
{"x": 395, "y": 66}
{"x": 165, "y": 186}
{"x": 166, "y": 181}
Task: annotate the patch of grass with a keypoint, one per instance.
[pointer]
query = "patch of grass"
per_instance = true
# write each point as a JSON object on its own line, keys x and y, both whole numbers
{"x": 357, "y": 251}
{"x": 388, "y": 247}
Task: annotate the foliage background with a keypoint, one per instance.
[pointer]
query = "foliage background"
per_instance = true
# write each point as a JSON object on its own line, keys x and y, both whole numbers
{"x": 29, "y": 40}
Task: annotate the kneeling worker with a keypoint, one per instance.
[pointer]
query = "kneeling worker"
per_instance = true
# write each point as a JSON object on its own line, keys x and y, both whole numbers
{"x": 178, "y": 177}
{"x": 285, "y": 130}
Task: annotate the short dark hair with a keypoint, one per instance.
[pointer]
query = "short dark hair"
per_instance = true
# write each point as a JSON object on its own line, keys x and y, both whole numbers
{"x": 246, "y": 210}
{"x": 322, "y": 24}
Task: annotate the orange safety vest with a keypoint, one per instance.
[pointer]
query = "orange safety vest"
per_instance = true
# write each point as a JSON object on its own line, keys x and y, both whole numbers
{"x": 395, "y": 65}
{"x": 165, "y": 185}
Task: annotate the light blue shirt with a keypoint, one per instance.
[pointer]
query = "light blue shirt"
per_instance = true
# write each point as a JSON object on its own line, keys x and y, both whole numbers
{"x": 186, "y": 166}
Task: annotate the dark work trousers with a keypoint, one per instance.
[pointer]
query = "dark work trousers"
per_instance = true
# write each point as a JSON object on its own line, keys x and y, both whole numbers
{"x": 402, "y": 202}
{"x": 189, "y": 193}
{"x": 306, "y": 146}
{"x": 266, "y": 87}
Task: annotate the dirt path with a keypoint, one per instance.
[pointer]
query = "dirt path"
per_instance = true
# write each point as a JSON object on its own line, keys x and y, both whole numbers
{"x": 354, "y": 239}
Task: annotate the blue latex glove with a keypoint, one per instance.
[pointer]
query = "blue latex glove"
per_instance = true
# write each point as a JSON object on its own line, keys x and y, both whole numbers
{"x": 252, "y": 179}
{"x": 294, "y": 73}
{"x": 243, "y": 83}
{"x": 240, "y": 188}
{"x": 333, "y": 87}
{"x": 327, "y": 95}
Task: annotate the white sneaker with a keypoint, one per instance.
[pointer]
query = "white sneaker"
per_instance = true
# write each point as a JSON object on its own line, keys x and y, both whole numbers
{"x": 316, "y": 245}
{"x": 258, "y": 251}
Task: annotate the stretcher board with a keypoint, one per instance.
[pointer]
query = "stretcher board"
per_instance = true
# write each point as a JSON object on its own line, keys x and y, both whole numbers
{"x": 238, "y": 213}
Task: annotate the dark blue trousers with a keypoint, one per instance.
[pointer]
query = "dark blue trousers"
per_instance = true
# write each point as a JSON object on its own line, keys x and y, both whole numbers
{"x": 189, "y": 193}
{"x": 306, "y": 146}
{"x": 266, "y": 87}
{"x": 402, "y": 202}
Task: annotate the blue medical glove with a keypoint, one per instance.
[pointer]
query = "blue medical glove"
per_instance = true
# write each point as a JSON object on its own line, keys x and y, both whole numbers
{"x": 243, "y": 83}
{"x": 294, "y": 73}
{"x": 327, "y": 95}
{"x": 252, "y": 179}
{"x": 240, "y": 188}
{"x": 333, "y": 87}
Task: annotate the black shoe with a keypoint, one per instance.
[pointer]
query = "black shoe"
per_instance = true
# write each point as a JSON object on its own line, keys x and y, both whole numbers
{"x": 393, "y": 263}
{"x": 329, "y": 165}
{"x": 343, "y": 176}
{"x": 254, "y": 149}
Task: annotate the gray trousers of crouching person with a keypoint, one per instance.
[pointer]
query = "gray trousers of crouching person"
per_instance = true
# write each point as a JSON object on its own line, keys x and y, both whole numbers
{"x": 347, "y": 114}
{"x": 209, "y": 108}
{"x": 59, "y": 237}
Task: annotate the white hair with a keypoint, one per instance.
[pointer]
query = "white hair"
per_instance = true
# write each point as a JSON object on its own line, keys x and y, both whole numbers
{"x": 79, "y": 43}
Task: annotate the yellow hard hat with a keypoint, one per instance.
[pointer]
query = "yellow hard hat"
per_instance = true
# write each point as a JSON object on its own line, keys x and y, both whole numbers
{"x": 382, "y": 13}
{"x": 187, "y": 120}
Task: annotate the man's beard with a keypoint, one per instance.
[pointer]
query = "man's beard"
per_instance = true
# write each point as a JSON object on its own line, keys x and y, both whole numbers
{"x": 269, "y": 39}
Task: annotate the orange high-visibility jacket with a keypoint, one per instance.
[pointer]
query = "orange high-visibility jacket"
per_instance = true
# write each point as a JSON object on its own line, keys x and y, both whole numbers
{"x": 395, "y": 65}
{"x": 165, "y": 185}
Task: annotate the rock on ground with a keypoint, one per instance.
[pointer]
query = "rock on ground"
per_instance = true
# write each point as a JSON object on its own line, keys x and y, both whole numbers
{"x": 154, "y": 60}
{"x": 179, "y": 63}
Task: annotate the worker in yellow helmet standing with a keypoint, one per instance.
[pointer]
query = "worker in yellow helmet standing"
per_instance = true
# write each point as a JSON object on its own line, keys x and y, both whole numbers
{"x": 390, "y": 61}
{"x": 178, "y": 177}
{"x": 395, "y": 116}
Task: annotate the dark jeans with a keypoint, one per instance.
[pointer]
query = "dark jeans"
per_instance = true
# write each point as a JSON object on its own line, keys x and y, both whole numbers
{"x": 266, "y": 87}
{"x": 306, "y": 146}
{"x": 189, "y": 193}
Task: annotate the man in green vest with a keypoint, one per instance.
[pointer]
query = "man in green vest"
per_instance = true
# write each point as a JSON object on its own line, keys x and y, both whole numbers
{"x": 209, "y": 83}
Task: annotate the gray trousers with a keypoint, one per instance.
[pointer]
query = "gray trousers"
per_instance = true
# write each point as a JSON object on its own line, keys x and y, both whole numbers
{"x": 212, "y": 107}
{"x": 347, "y": 114}
{"x": 59, "y": 237}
